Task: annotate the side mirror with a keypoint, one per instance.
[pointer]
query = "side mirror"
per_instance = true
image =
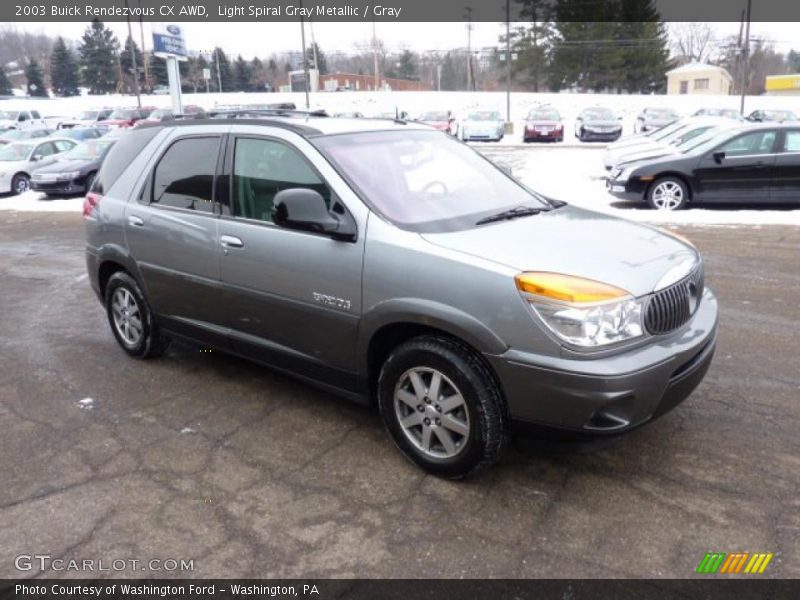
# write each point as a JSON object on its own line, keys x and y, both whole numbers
{"x": 36, "y": 157}
{"x": 305, "y": 210}
{"x": 719, "y": 156}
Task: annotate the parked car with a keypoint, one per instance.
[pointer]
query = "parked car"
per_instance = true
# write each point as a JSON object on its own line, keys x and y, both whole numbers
{"x": 443, "y": 120}
{"x": 122, "y": 117}
{"x": 728, "y": 113}
{"x": 81, "y": 134}
{"x": 543, "y": 123}
{"x": 156, "y": 116}
{"x": 753, "y": 164}
{"x": 19, "y": 159}
{"x": 598, "y": 124}
{"x": 654, "y": 118}
{"x": 760, "y": 116}
{"x": 87, "y": 118}
{"x": 666, "y": 143}
{"x": 349, "y": 115}
{"x": 459, "y": 310}
{"x": 72, "y": 172}
{"x": 17, "y": 135}
{"x": 21, "y": 119}
{"x": 482, "y": 125}
{"x": 196, "y": 111}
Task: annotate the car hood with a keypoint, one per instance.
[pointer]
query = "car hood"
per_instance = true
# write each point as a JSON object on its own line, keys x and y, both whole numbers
{"x": 648, "y": 153}
{"x": 577, "y": 242}
{"x": 602, "y": 123}
{"x": 65, "y": 165}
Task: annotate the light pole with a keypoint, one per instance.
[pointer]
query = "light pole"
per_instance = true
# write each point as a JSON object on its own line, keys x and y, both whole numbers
{"x": 132, "y": 50}
{"x": 305, "y": 59}
{"x": 508, "y": 61}
{"x": 746, "y": 58}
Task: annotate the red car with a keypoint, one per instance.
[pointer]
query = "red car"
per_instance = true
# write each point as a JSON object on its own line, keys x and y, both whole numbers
{"x": 543, "y": 124}
{"x": 125, "y": 117}
{"x": 442, "y": 120}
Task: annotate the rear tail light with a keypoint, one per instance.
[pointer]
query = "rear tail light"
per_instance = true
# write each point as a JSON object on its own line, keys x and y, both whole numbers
{"x": 91, "y": 202}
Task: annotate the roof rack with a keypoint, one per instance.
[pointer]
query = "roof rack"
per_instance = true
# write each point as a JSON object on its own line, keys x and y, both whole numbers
{"x": 265, "y": 112}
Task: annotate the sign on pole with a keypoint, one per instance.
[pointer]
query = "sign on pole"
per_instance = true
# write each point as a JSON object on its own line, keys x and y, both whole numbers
{"x": 170, "y": 45}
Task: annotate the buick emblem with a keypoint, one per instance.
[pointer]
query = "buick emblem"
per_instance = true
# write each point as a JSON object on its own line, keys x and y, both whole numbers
{"x": 174, "y": 30}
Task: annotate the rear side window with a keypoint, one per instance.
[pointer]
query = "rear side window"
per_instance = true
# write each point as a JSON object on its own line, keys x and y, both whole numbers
{"x": 792, "y": 141}
{"x": 184, "y": 177}
{"x": 35, "y": 114}
{"x": 120, "y": 156}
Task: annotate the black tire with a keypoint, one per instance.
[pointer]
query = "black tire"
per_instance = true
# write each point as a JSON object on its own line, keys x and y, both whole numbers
{"x": 485, "y": 407}
{"x": 20, "y": 179}
{"x": 653, "y": 200}
{"x": 87, "y": 183}
{"x": 581, "y": 135}
{"x": 150, "y": 343}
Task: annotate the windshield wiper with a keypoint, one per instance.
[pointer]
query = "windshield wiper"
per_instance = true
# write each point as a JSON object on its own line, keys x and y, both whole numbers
{"x": 506, "y": 215}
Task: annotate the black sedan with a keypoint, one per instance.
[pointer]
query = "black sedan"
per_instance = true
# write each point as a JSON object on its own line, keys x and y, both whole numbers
{"x": 74, "y": 172}
{"x": 598, "y": 124}
{"x": 757, "y": 164}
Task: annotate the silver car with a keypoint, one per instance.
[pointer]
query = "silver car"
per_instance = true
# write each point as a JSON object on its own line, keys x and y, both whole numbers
{"x": 20, "y": 159}
{"x": 392, "y": 264}
{"x": 482, "y": 125}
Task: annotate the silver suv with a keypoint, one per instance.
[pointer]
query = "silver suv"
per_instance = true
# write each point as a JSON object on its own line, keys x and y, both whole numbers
{"x": 390, "y": 263}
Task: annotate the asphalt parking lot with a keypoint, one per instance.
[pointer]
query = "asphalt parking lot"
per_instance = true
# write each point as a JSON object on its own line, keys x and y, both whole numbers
{"x": 251, "y": 474}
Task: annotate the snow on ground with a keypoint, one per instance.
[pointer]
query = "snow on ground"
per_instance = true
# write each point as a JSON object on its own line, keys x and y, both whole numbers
{"x": 570, "y": 171}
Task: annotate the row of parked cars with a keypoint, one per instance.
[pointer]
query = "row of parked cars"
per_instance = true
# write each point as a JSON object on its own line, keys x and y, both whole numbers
{"x": 708, "y": 159}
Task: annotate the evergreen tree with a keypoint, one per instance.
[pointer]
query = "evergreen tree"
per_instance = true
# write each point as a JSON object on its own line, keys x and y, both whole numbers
{"x": 449, "y": 80}
{"x": 242, "y": 74}
{"x": 5, "y": 83}
{"x": 158, "y": 71}
{"x": 35, "y": 79}
{"x": 98, "y": 53}
{"x": 644, "y": 47}
{"x": 532, "y": 44}
{"x": 408, "y": 66}
{"x": 64, "y": 75}
{"x": 322, "y": 63}
{"x": 130, "y": 51}
{"x": 258, "y": 75}
{"x": 222, "y": 67}
{"x": 793, "y": 59}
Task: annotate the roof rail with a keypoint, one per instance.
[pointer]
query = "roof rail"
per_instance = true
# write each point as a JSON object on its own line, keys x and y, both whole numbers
{"x": 265, "y": 112}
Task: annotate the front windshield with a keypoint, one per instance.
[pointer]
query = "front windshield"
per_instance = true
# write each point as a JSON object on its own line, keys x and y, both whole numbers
{"x": 689, "y": 144}
{"x": 88, "y": 115}
{"x": 89, "y": 150}
{"x": 665, "y": 134}
{"x": 14, "y": 152}
{"x": 780, "y": 115}
{"x": 11, "y": 116}
{"x": 484, "y": 115}
{"x": 707, "y": 142}
{"x": 599, "y": 114}
{"x": 423, "y": 180}
{"x": 434, "y": 116}
{"x": 544, "y": 114}
{"x": 687, "y": 135}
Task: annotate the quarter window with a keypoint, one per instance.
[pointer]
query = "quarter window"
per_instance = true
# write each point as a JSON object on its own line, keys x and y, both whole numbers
{"x": 261, "y": 169}
{"x": 758, "y": 142}
{"x": 184, "y": 177}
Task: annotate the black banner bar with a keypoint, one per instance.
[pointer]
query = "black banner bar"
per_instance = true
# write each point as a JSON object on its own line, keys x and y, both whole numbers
{"x": 390, "y": 10}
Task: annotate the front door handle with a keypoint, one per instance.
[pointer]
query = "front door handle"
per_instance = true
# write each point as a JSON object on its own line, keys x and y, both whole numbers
{"x": 135, "y": 221}
{"x": 229, "y": 241}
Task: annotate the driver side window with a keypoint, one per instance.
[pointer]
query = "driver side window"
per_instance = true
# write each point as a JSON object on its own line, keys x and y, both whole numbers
{"x": 757, "y": 142}
{"x": 44, "y": 150}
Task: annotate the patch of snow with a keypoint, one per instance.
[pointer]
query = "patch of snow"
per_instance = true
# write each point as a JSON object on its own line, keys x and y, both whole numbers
{"x": 86, "y": 404}
{"x": 38, "y": 202}
{"x": 188, "y": 431}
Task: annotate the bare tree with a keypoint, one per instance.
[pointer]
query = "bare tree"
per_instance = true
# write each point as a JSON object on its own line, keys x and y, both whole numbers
{"x": 692, "y": 41}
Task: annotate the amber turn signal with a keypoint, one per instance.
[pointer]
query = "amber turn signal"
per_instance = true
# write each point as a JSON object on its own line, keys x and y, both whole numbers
{"x": 567, "y": 288}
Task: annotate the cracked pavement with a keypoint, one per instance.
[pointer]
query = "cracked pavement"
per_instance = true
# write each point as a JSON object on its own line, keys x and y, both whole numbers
{"x": 251, "y": 474}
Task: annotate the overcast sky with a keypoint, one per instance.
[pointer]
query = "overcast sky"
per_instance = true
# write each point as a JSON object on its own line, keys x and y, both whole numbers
{"x": 262, "y": 39}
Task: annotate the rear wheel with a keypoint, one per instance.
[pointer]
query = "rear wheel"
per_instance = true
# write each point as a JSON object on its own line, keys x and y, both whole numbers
{"x": 668, "y": 193}
{"x": 131, "y": 318}
{"x": 21, "y": 183}
{"x": 442, "y": 408}
{"x": 89, "y": 181}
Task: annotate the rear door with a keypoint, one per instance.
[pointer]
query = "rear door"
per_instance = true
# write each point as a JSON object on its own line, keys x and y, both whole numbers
{"x": 744, "y": 173}
{"x": 171, "y": 227}
{"x": 786, "y": 183}
{"x": 293, "y": 297}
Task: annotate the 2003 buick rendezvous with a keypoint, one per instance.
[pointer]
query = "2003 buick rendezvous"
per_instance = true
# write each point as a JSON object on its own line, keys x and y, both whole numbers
{"x": 391, "y": 263}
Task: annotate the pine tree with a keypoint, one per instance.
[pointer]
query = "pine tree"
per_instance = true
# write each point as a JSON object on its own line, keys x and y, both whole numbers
{"x": 258, "y": 75}
{"x": 408, "y": 66}
{"x": 98, "y": 52}
{"x": 130, "y": 51}
{"x": 449, "y": 79}
{"x": 242, "y": 74}
{"x": 35, "y": 79}
{"x": 644, "y": 47}
{"x": 532, "y": 44}
{"x": 158, "y": 71}
{"x": 64, "y": 75}
{"x": 322, "y": 63}
{"x": 222, "y": 67}
{"x": 5, "y": 84}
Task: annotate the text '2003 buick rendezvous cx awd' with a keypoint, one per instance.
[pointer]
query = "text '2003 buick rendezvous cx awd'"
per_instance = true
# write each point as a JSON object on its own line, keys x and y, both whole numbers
{"x": 391, "y": 263}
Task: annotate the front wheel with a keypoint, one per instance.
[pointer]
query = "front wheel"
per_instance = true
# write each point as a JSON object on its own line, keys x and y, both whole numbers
{"x": 668, "y": 193}
{"x": 131, "y": 318}
{"x": 442, "y": 407}
{"x": 21, "y": 183}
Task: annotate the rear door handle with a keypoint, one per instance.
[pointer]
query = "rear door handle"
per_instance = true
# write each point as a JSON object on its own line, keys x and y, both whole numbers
{"x": 135, "y": 221}
{"x": 229, "y": 241}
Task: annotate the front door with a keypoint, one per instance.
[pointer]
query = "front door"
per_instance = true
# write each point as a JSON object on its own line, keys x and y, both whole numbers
{"x": 786, "y": 183}
{"x": 745, "y": 171}
{"x": 293, "y": 297}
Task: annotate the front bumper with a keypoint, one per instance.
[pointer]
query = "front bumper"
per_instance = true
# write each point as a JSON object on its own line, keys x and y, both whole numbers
{"x": 58, "y": 187}
{"x": 602, "y": 136}
{"x": 626, "y": 190}
{"x": 611, "y": 394}
{"x": 552, "y": 135}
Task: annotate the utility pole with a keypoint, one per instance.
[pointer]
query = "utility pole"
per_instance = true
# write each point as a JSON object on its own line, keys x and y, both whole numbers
{"x": 375, "y": 55}
{"x": 305, "y": 58}
{"x": 144, "y": 54}
{"x": 132, "y": 50}
{"x": 508, "y": 61}
{"x": 313, "y": 44}
{"x": 219, "y": 76}
{"x": 746, "y": 58}
{"x": 468, "y": 11}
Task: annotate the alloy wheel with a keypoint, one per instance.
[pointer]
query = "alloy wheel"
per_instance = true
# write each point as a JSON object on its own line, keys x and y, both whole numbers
{"x": 23, "y": 185}
{"x": 667, "y": 195}
{"x": 127, "y": 316}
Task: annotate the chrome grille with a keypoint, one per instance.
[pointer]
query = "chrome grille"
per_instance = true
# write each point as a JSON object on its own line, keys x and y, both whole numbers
{"x": 673, "y": 306}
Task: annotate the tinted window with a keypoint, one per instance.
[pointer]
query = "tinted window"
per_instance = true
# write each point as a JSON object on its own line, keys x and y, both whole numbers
{"x": 184, "y": 177}
{"x": 792, "y": 141}
{"x": 35, "y": 114}
{"x": 45, "y": 149}
{"x": 758, "y": 142}
{"x": 120, "y": 156}
{"x": 262, "y": 168}
{"x": 63, "y": 145}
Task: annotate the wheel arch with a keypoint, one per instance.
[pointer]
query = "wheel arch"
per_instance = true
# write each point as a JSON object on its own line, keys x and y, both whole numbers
{"x": 677, "y": 175}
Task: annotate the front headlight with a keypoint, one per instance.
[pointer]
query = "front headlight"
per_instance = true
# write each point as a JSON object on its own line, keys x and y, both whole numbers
{"x": 624, "y": 175}
{"x": 582, "y": 312}
{"x": 68, "y": 175}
